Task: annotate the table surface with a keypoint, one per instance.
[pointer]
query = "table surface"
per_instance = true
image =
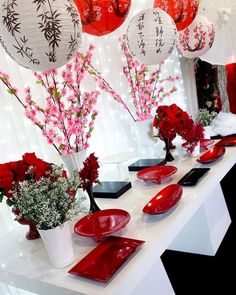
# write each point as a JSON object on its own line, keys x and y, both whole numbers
{"x": 25, "y": 264}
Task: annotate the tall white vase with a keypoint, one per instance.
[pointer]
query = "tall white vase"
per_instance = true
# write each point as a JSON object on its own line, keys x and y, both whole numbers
{"x": 74, "y": 161}
{"x": 58, "y": 244}
{"x": 144, "y": 137}
{"x": 207, "y": 132}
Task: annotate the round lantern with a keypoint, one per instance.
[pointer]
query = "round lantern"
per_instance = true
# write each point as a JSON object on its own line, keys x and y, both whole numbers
{"x": 197, "y": 38}
{"x": 183, "y": 12}
{"x": 40, "y": 35}
{"x": 151, "y": 36}
{"x": 102, "y": 17}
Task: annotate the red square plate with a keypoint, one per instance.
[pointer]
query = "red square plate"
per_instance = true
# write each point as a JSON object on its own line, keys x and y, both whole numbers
{"x": 103, "y": 261}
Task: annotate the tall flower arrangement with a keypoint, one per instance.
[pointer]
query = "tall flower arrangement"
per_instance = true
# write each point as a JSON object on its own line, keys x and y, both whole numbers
{"x": 146, "y": 87}
{"x": 67, "y": 119}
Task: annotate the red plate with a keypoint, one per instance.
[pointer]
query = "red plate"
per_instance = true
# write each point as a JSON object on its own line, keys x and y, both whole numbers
{"x": 227, "y": 141}
{"x": 156, "y": 173}
{"x": 164, "y": 200}
{"x": 102, "y": 223}
{"x": 102, "y": 262}
{"x": 212, "y": 155}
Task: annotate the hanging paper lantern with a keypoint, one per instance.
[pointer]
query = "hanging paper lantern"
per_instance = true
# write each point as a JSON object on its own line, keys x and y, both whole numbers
{"x": 40, "y": 35}
{"x": 196, "y": 39}
{"x": 183, "y": 12}
{"x": 101, "y": 17}
{"x": 151, "y": 36}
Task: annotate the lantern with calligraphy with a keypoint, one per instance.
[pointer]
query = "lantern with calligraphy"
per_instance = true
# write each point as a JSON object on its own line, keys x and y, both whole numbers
{"x": 183, "y": 12}
{"x": 40, "y": 35}
{"x": 197, "y": 38}
{"x": 103, "y": 16}
{"x": 151, "y": 36}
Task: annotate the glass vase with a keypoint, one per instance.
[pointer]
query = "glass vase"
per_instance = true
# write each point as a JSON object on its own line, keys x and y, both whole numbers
{"x": 168, "y": 156}
{"x": 32, "y": 232}
{"x": 93, "y": 205}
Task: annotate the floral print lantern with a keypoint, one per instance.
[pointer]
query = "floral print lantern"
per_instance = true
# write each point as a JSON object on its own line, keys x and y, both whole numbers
{"x": 196, "y": 39}
{"x": 151, "y": 36}
{"x": 40, "y": 35}
{"x": 183, "y": 12}
{"x": 101, "y": 17}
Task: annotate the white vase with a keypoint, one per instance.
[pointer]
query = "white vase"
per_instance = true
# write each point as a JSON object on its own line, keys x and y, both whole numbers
{"x": 74, "y": 161}
{"x": 144, "y": 137}
{"x": 196, "y": 150}
{"x": 207, "y": 132}
{"x": 58, "y": 244}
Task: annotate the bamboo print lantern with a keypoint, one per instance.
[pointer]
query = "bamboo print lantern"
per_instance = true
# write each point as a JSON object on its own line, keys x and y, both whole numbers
{"x": 183, "y": 12}
{"x": 151, "y": 36}
{"x": 102, "y": 17}
{"x": 196, "y": 39}
{"x": 40, "y": 35}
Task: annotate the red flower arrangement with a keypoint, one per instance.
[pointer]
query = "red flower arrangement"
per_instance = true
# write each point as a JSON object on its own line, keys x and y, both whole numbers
{"x": 172, "y": 120}
{"x": 89, "y": 173}
{"x": 12, "y": 173}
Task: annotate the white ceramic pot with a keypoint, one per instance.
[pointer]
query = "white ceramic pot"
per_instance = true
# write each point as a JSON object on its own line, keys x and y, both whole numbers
{"x": 196, "y": 150}
{"x": 58, "y": 244}
{"x": 144, "y": 137}
{"x": 74, "y": 161}
{"x": 207, "y": 132}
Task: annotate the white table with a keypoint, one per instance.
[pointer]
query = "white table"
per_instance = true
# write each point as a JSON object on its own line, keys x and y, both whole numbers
{"x": 197, "y": 224}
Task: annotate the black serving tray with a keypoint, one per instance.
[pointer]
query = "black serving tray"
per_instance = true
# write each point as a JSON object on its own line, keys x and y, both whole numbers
{"x": 111, "y": 189}
{"x": 193, "y": 176}
{"x": 145, "y": 163}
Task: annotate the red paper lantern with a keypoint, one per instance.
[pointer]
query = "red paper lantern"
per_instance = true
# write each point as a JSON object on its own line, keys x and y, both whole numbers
{"x": 101, "y": 17}
{"x": 183, "y": 12}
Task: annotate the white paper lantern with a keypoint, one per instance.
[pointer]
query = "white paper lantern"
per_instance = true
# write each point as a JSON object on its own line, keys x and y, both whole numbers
{"x": 40, "y": 35}
{"x": 151, "y": 36}
{"x": 197, "y": 38}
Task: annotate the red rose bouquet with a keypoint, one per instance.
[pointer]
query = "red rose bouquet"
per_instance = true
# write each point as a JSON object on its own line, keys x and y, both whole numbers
{"x": 172, "y": 120}
{"x": 39, "y": 192}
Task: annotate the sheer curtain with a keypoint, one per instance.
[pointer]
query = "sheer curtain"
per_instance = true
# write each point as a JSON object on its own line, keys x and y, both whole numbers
{"x": 114, "y": 128}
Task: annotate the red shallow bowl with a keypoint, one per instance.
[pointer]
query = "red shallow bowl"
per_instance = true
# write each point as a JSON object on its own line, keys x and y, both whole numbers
{"x": 156, "y": 173}
{"x": 102, "y": 223}
{"x": 212, "y": 155}
{"x": 227, "y": 141}
{"x": 164, "y": 200}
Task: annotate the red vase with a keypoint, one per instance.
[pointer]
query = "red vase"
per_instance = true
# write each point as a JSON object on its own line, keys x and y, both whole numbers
{"x": 32, "y": 233}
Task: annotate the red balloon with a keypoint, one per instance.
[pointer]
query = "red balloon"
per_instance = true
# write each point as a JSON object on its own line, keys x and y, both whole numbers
{"x": 183, "y": 12}
{"x": 101, "y": 17}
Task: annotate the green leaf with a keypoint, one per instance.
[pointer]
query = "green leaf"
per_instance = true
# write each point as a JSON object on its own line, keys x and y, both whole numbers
{"x": 10, "y": 202}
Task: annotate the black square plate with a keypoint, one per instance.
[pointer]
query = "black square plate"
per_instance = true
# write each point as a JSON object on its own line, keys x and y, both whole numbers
{"x": 146, "y": 163}
{"x": 193, "y": 176}
{"x": 111, "y": 189}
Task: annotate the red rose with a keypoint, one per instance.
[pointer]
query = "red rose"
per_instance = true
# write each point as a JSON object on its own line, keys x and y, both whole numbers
{"x": 6, "y": 179}
{"x": 40, "y": 166}
{"x": 89, "y": 173}
{"x": 19, "y": 169}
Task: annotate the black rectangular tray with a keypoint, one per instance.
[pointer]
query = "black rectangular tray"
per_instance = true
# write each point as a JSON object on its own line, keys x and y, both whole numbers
{"x": 145, "y": 163}
{"x": 111, "y": 189}
{"x": 193, "y": 176}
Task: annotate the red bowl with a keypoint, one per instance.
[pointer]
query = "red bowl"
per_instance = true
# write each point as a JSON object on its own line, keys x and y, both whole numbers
{"x": 212, "y": 155}
{"x": 156, "y": 173}
{"x": 102, "y": 223}
{"x": 164, "y": 200}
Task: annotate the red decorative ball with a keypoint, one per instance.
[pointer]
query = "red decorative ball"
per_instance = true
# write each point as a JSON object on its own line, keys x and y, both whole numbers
{"x": 101, "y": 17}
